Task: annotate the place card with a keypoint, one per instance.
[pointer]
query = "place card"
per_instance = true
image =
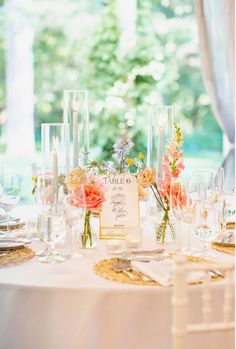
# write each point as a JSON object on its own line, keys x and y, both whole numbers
{"x": 121, "y": 208}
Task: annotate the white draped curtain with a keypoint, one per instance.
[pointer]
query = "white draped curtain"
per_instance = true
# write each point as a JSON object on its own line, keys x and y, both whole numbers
{"x": 217, "y": 43}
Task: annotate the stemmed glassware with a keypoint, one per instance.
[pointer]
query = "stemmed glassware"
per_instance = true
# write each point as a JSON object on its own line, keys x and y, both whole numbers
{"x": 45, "y": 197}
{"x": 206, "y": 223}
{"x": 182, "y": 208}
{"x": 9, "y": 194}
{"x": 72, "y": 216}
{"x": 44, "y": 200}
{"x": 201, "y": 184}
{"x": 206, "y": 190}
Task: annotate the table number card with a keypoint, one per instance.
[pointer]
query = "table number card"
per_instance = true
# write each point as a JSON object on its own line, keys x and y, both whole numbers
{"x": 121, "y": 208}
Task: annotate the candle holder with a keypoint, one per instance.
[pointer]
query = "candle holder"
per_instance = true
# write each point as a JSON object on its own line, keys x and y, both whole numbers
{"x": 76, "y": 114}
{"x": 55, "y": 152}
{"x": 160, "y": 130}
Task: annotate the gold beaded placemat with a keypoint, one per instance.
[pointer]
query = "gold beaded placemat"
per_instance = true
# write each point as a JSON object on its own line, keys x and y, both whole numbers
{"x": 222, "y": 248}
{"x": 16, "y": 256}
{"x": 104, "y": 268}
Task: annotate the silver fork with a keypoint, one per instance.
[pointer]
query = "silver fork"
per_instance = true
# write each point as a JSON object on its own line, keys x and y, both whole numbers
{"x": 216, "y": 273}
{"x": 121, "y": 267}
{"x": 125, "y": 266}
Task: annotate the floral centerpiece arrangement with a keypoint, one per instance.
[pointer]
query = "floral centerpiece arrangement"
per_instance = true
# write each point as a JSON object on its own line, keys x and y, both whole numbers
{"x": 85, "y": 189}
{"x": 166, "y": 191}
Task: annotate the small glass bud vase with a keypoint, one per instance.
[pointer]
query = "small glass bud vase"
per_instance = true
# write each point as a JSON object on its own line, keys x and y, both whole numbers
{"x": 165, "y": 228}
{"x": 86, "y": 235}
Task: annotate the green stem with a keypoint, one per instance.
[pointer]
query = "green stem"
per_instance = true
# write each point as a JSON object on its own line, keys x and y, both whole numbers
{"x": 158, "y": 200}
{"x": 87, "y": 233}
{"x": 165, "y": 221}
{"x": 156, "y": 187}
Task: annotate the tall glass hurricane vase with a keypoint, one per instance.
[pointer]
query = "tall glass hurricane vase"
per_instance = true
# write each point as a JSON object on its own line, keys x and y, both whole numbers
{"x": 76, "y": 114}
{"x": 55, "y": 153}
{"x": 160, "y": 130}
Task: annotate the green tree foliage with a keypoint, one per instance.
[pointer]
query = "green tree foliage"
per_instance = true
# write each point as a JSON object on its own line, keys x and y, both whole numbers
{"x": 163, "y": 68}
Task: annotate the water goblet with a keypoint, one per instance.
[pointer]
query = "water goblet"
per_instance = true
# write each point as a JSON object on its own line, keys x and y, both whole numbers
{"x": 9, "y": 194}
{"x": 72, "y": 216}
{"x": 44, "y": 197}
{"x": 48, "y": 228}
{"x": 201, "y": 183}
{"x": 178, "y": 204}
{"x": 219, "y": 180}
{"x": 206, "y": 224}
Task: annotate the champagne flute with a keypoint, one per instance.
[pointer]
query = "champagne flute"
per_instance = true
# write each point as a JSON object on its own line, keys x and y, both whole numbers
{"x": 9, "y": 194}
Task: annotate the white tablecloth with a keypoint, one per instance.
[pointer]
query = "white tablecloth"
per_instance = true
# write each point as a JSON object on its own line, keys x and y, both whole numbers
{"x": 67, "y": 306}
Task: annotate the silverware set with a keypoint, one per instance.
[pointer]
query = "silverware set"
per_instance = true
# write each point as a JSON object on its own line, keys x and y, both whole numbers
{"x": 123, "y": 265}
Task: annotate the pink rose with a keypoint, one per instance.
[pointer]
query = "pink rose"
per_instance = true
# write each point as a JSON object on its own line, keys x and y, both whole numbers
{"x": 89, "y": 196}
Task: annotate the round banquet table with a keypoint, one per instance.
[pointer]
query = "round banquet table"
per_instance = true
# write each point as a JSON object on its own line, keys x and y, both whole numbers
{"x": 67, "y": 306}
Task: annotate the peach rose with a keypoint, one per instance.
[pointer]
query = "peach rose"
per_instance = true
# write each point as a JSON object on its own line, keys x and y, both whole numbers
{"x": 146, "y": 177}
{"x": 76, "y": 177}
{"x": 89, "y": 196}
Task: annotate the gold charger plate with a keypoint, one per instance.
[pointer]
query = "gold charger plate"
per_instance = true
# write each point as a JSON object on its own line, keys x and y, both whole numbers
{"x": 104, "y": 268}
{"x": 223, "y": 247}
{"x": 19, "y": 255}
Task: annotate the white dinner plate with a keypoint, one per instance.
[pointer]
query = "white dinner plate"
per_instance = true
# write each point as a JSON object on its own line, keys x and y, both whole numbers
{"x": 10, "y": 244}
{"x": 12, "y": 225}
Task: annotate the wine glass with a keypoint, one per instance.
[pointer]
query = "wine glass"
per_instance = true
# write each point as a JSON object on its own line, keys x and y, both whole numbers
{"x": 45, "y": 192}
{"x": 206, "y": 224}
{"x": 180, "y": 204}
{"x": 219, "y": 180}
{"x": 44, "y": 197}
{"x": 49, "y": 226}
{"x": 216, "y": 186}
{"x": 9, "y": 194}
{"x": 72, "y": 216}
{"x": 201, "y": 183}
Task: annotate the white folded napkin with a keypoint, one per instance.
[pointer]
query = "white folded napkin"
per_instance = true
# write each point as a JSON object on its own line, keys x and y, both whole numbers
{"x": 161, "y": 271}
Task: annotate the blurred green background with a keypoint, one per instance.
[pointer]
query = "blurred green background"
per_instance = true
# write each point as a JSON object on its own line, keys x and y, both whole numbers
{"x": 77, "y": 46}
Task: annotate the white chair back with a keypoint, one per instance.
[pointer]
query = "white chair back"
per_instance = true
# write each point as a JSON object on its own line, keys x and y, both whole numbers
{"x": 180, "y": 300}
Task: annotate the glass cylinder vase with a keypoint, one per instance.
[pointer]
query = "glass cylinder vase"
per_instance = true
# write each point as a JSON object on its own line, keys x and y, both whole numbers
{"x": 160, "y": 130}
{"x": 55, "y": 156}
{"x": 76, "y": 114}
{"x": 55, "y": 152}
